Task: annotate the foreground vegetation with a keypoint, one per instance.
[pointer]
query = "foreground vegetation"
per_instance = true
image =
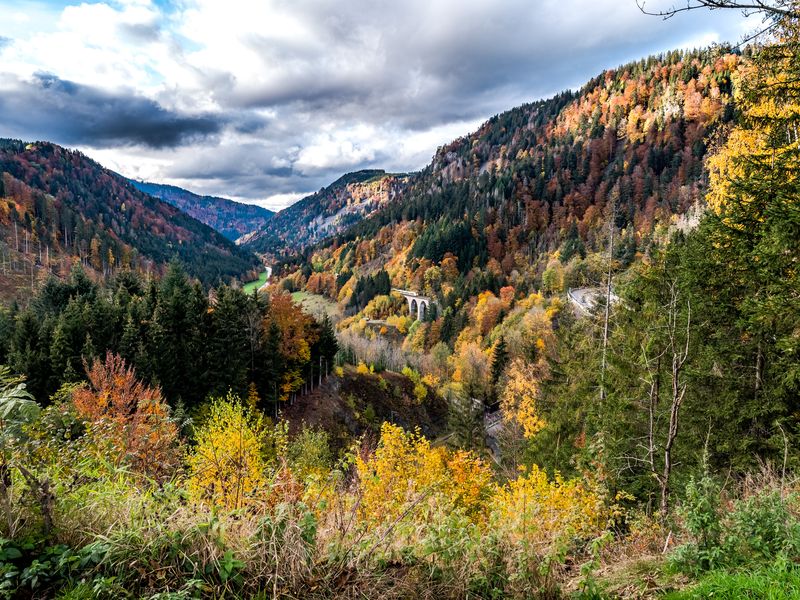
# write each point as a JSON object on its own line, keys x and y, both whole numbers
{"x": 102, "y": 497}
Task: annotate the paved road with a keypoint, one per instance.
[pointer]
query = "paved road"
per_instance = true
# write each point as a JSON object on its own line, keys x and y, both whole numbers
{"x": 585, "y": 298}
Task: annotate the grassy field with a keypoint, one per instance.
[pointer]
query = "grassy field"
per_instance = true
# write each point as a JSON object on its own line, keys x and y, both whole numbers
{"x": 254, "y": 285}
{"x": 316, "y": 305}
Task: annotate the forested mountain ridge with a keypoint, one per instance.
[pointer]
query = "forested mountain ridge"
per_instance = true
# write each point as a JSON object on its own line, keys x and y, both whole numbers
{"x": 58, "y": 206}
{"x": 544, "y": 176}
{"x": 232, "y": 219}
{"x": 329, "y": 211}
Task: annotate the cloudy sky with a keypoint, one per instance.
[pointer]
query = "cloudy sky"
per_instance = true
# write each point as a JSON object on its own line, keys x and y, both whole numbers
{"x": 267, "y": 100}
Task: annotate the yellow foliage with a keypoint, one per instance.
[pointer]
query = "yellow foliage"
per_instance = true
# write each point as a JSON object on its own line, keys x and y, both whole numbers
{"x": 487, "y": 311}
{"x": 764, "y": 147}
{"x": 402, "y": 323}
{"x": 362, "y": 368}
{"x": 406, "y": 470}
{"x": 227, "y": 466}
{"x": 535, "y": 509}
{"x": 726, "y": 167}
{"x": 519, "y": 398}
{"x": 472, "y": 369}
{"x": 430, "y": 380}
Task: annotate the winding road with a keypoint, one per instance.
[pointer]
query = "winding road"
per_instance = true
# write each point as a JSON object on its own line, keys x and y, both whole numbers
{"x": 585, "y": 298}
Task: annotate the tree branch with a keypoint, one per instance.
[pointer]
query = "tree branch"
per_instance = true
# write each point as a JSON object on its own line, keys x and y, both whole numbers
{"x": 772, "y": 8}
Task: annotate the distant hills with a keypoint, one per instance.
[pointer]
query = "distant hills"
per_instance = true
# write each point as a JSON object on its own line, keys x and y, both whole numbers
{"x": 329, "y": 211}
{"x": 232, "y": 219}
{"x": 542, "y": 180}
{"x": 58, "y": 207}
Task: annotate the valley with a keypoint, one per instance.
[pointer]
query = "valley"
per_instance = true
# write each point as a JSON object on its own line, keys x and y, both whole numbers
{"x": 232, "y": 219}
{"x": 560, "y": 360}
{"x": 251, "y": 286}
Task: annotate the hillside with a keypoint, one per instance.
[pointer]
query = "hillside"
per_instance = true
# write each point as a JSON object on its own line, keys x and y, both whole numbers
{"x": 59, "y": 206}
{"x": 231, "y": 219}
{"x": 544, "y": 177}
{"x": 331, "y": 210}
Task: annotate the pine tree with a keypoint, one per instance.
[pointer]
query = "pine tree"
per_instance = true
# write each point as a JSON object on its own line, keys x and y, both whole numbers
{"x": 327, "y": 344}
{"x": 130, "y": 340}
{"x": 88, "y": 351}
{"x": 573, "y": 245}
{"x": 465, "y": 421}
{"x": 499, "y": 359}
{"x": 61, "y": 358}
{"x": 227, "y": 348}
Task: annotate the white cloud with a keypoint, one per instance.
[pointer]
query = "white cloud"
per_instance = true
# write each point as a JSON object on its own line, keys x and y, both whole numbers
{"x": 303, "y": 90}
{"x": 277, "y": 201}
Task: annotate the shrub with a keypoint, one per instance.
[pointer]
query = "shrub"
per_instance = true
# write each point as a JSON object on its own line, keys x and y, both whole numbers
{"x": 405, "y": 470}
{"x": 755, "y": 530}
{"x": 309, "y": 453}
{"x": 128, "y": 421}
{"x": 227, "y": 466}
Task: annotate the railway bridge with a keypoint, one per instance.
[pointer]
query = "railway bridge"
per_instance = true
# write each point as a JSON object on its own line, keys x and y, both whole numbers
{"x": 418, "y": 305}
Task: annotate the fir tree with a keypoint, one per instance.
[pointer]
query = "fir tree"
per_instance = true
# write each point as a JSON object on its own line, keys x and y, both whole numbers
{"x": 499, "y": 359}
{"x": 328, "y": 346}
{"x": 465, "y": 421}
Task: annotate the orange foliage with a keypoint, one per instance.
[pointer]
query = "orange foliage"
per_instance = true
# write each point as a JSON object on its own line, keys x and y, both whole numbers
{"x": 323, "y": 284}
{"x": 127, "y": 419}
{"x": 294, "y": 325}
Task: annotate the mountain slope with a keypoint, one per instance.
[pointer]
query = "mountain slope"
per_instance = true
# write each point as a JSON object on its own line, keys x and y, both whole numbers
{"x": 58, "y": 206}
{"x": 327, "y": 212}
{"x": 495, "y": 206}
{"x": 231, "y": 219}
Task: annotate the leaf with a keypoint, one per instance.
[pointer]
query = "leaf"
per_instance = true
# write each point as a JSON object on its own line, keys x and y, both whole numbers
{"x": 11, "y": 553}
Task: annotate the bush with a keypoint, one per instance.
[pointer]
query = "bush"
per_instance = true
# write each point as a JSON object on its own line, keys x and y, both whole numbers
{"x": 755, "y": 530}
{"x": 309, "y": 453}
{"x": 227, "y": 466}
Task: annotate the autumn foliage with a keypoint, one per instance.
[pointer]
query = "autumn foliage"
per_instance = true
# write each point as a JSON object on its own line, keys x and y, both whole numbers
{"x": 227, "y": 466}
{"x": 520, "y": 397}
{"x": 406, "y": 470}
{"x": 128, "y": 420}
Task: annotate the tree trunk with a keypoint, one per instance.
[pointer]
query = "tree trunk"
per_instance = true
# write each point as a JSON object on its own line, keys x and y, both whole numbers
{"x": 607, "y": 315}
{"x": 5, "y": 499}
{"x": 680, "y": 353}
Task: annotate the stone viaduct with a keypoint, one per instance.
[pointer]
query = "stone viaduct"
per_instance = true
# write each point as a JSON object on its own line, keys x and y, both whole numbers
{"x": 418, "y": 305}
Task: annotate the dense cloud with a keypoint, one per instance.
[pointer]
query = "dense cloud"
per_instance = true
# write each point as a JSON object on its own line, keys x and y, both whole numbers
{"x": 256, "y": 99}
{"x": 47, "y": 107}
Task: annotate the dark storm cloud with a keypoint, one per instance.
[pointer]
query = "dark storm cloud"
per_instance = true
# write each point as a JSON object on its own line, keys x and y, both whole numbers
{"x": 47, "y": 107}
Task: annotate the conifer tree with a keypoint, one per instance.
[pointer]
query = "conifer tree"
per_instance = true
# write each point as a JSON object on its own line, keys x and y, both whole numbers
{"x": 499, "y": 359}
{"x": 328, "y": 346}
{"x": 465, "y": 421}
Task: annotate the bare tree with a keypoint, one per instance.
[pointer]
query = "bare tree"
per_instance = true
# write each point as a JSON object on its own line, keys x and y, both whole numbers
{"x": 770, "y": 9}
{"x": 664, "y": 375}
{"x": 652, "y": 366}
{"x": 678, "y": 351}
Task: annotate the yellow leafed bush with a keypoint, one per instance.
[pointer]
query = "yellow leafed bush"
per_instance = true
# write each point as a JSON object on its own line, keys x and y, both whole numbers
{"x": 539, "y": 510}
{"x": 405, "y": 469}
{"x": 227, "y": 466}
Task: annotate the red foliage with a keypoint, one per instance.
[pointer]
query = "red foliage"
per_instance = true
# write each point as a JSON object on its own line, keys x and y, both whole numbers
{"x": 130, "y": 419}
